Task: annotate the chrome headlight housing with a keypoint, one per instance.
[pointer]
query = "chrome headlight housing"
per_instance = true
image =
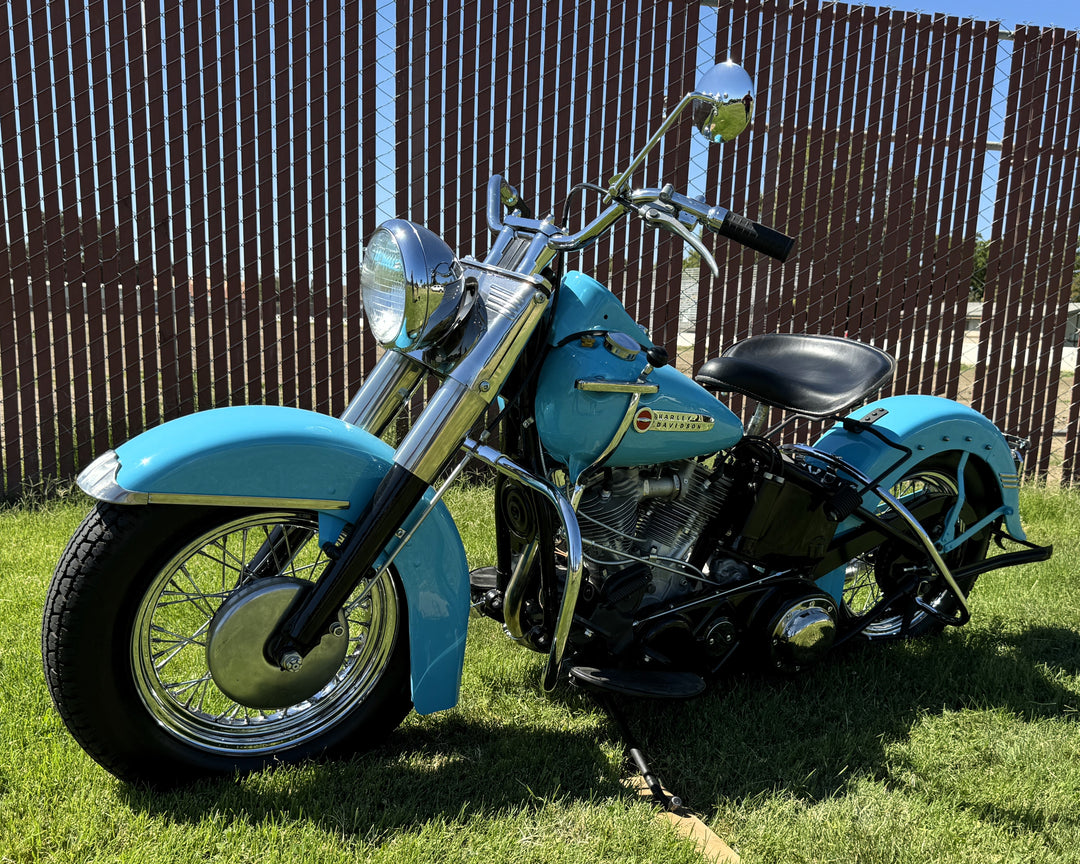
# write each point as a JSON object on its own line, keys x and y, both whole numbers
{"x": 412, "y": 286}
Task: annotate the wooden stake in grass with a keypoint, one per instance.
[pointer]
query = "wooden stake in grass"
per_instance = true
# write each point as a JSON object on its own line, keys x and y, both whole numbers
{"x": 687, "y": 824}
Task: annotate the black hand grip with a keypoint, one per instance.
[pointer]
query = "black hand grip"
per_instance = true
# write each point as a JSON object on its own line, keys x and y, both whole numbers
{"x": 757, "y": 237}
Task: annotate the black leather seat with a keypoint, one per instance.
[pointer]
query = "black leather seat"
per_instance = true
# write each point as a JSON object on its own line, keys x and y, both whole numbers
{"x": 818, "y": 376}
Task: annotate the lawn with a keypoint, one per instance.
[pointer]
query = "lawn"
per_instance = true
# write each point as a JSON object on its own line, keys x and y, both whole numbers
{"x": 965, "y": 747}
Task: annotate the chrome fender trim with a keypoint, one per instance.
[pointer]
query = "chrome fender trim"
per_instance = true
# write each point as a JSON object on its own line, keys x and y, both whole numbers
{"x": 98, "y": 480}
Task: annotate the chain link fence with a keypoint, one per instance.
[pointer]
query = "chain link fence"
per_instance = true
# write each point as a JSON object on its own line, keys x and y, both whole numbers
{"x": 187, "y": 187}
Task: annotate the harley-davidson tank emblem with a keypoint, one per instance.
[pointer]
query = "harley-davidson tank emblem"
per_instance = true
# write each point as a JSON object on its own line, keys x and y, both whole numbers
{"x": 647, "y": 420}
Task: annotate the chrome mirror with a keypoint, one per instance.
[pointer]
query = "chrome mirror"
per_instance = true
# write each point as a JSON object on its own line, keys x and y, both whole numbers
{"x": 723, "y": 102}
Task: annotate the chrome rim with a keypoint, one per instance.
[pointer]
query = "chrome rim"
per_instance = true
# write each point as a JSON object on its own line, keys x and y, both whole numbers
{"x": 862, "y": 586}
{"x": 172, "y": 623}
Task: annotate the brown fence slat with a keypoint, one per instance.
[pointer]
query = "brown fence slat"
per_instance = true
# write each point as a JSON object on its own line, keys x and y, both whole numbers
{"x": 360, "y": 221}
{"x": 283, "y": 336}
{"x": 49, "y": 316}
{"x": 13, "y": 251}
{"x": 28, "y": 271}
{"x": 195, "y": 54}
{"x": 219, "y": 124}
{"x": 186, "y": 194}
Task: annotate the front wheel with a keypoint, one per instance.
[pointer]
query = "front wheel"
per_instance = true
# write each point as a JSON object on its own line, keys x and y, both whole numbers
{"x": 152, "y": 640}
{"x": 931, "y": 490}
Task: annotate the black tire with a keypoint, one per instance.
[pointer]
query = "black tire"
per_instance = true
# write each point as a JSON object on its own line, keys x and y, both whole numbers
{"x": 125, "y": 639}
{"x": 931, "y": 487}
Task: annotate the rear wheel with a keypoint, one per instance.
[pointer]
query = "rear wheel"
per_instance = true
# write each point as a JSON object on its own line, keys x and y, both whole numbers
{"x": 930, "y": 490}
{"x": 153, "y": 635}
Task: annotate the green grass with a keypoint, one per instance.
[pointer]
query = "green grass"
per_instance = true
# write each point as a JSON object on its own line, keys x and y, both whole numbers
{"x": 964, "y": 747}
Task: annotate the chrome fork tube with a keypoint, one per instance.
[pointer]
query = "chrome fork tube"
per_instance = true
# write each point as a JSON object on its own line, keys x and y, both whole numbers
{"x": 514, "y": 305}
{"x": 385, "y": 390}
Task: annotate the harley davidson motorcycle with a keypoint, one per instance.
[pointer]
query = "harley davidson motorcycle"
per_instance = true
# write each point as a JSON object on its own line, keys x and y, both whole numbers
{"x": 261, "y": 584}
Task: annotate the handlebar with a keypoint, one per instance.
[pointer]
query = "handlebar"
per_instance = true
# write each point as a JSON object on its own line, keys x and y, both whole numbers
{"x": 725, "y": 222}
{"x": 758, "y": 237}
{"x": 670, "y": 209}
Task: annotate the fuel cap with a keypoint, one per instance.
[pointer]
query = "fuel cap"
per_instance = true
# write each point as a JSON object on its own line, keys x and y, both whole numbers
{"x": 621, "y": 345}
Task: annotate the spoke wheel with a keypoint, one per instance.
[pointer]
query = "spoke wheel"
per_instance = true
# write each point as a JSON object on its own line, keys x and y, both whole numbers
{"x": 172, "y": 627}
{"x": 153, "y": 586}
{"x": 930, "y": 489}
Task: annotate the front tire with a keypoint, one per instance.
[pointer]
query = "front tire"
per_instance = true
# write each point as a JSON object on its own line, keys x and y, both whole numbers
{"x": 133, "y": 607}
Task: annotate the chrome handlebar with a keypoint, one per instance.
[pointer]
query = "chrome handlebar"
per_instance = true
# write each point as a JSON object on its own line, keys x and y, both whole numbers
{"x": 661, "y": 208}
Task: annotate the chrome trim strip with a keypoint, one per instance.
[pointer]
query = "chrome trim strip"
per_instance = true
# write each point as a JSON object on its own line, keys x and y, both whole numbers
{"x": 98, "y": 480}
{"x": 600, "y": 385}
{"x": 620, "y": 433}
{"x": 246, "y": 501}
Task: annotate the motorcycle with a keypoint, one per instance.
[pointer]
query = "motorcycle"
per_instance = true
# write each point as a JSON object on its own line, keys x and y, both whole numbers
{"x": 264, "y": 584}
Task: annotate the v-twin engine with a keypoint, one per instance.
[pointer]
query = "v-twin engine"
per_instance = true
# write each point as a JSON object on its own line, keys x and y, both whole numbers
{"x": 652, "y": 517}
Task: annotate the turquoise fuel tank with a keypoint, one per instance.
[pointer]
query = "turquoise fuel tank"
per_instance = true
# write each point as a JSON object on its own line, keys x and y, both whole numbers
{"x": 680, "y": 421}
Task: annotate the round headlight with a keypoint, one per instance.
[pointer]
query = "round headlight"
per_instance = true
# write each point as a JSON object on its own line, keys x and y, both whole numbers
{"x": 382, "y": 287}
{"x": 412, "y": 286}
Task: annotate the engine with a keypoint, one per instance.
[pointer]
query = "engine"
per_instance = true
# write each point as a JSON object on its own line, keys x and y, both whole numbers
{"x": 657, "y": 537}
{"x": 641, "y": 516}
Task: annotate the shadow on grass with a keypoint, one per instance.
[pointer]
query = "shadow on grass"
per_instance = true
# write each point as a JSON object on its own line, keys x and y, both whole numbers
{"x": 810, "y": 734}
{"x": 750, "y": 734}
{"x": 445, "y": 767}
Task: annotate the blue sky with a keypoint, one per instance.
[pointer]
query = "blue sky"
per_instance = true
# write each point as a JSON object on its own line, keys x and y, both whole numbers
{"x": 1061, "y": 13}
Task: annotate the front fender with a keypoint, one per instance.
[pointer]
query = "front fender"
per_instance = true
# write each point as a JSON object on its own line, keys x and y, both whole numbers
{"x": 928, "y": 425}
{"x": 268, "y": 456}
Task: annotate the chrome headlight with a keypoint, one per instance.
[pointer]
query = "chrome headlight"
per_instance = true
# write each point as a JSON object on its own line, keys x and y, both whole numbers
{"x": 412, "y": 286}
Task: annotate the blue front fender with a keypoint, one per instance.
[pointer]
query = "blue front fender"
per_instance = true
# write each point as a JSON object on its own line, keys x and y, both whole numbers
{"x": 264, "y": 455}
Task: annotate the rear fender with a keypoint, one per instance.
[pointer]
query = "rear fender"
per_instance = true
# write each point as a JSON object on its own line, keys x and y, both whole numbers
{"x": 273, "y": 457}
{"x": 927, "y": 426}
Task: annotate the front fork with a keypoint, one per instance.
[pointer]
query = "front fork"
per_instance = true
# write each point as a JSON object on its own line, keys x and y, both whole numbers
{"x": 513, "y": 306}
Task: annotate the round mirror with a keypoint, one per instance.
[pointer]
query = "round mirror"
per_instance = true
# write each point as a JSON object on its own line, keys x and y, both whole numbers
{"x": 723, "y": 102}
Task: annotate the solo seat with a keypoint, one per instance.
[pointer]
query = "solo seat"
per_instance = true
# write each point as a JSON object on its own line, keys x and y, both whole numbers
{"x": 818, "y": 376}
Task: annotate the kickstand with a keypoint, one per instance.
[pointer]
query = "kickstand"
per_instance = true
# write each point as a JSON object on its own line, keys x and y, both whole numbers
{"x": 671, "y": 803}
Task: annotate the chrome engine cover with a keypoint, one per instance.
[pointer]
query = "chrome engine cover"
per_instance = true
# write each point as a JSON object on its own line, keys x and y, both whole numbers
{"x": 652, "y": 516}
{"x": 801, "y": 631}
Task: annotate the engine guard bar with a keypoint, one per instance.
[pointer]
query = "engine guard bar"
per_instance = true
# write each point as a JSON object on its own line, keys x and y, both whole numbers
{"x": 574, "y": 549}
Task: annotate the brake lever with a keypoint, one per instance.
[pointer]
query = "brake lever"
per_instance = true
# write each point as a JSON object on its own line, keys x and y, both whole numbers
{"x": 658, "y": 218}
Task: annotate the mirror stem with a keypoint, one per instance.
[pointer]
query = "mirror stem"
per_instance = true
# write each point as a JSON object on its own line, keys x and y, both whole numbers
{"x": 621, "y": 182}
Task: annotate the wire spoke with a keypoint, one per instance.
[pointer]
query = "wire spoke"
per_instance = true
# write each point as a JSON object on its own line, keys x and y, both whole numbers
{"x": 177, "y": 643}
{"x": 194, "y": 596}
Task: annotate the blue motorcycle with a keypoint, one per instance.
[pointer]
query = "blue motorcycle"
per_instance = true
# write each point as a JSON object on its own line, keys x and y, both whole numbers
{"x": 263, "y": 584}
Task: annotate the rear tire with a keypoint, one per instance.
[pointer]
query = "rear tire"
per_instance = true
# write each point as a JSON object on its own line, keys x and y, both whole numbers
{"x": 128, "y": 619}
{"x": 932, "y": 488}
